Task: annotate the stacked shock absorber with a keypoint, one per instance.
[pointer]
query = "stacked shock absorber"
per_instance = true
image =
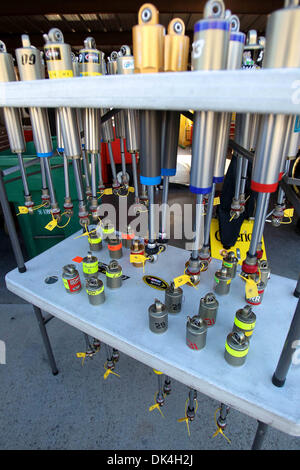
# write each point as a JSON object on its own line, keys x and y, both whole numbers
{"x": 90, "y": 64}
{"x": 210, "y": 51}
{"x": 12, "y": 119}
{"x": 31, "y": 68}
{"x": 282, "y": 50}
{"x": 59, "y": 64}
{"x": 176, "y": 49}
{"x": 148, "y": 51}
{"x": 234, "y": 60}
{"x": 125, "y": 66}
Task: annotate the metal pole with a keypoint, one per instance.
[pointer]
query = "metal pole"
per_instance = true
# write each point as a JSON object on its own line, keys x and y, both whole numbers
{"x": 66, "y": 175}
{"x": 260, "y": 217}
{"x": 135, "y": 179}
{"x": 23, "y": 175}
{"x": 244, "y": 175}
{"x": 43, "y": 173}
{"x": 123, "y": 158}
{"x": 259, "y": 436}
{"x": 164, "y": 206}
{"x": 99, "y": 169}
{"x": 238, "y": 178}
{"x": 78, "y": 181}
{"x": 93, "y": 175}
{"x": 46, "y": 340}
{"x": 86, "y": 169}
{"x": 112, "y": 162}
{"x": 288, "y": 350}
{"x": 263, "y": 220}
{"x": 208, "y": 216}
{"x": 9, "y": 221}
{"x": 151, "y": 214}
{"x": 49, "y": 178}
{"x": 198, "y": 225}
{"x": 297, "y": 289}
{"x": 14, "y": 169}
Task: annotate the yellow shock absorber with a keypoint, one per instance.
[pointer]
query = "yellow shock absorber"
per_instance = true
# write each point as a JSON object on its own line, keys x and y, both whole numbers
{"x": 176, "y": 47}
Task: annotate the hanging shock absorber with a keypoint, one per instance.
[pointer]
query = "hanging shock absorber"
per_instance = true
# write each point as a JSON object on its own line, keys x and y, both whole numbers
{"x": 79, "y": 114}
{"x": 108, "y": 132}
{"x": 234, "y": 61}
{"x": 282, "y": 50}
{"x": 148, "y": 51}
{"x": 90, "y": 64}
{"x": 119, "y": 120}
{"x": 30, "y": 68}
{"x": 210, "y": 50}
{"x": 191, "y": 406}
{"x": 246, "y": 127}
{"x": 13, "y": 124}
{"x": 176, "y": 50}
{"x": 59, "y": 64}
{"x": 68, "y": 205}
{"x": 125, "y": 65}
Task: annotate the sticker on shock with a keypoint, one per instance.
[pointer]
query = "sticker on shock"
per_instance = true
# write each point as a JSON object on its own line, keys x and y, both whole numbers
{"x": 198, "y": 48}
{"x": 89, "y": 58}
{"x": 52, "y": 53}
{"x": 102, "y": 269}
{"x": 155, "y": 282}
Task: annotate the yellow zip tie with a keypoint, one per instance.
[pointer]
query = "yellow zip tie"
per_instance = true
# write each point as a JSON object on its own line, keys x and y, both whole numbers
{"x": 232, "y": 218}
{"x": 109, "y": 371}
{"x": 190, "y": 279}
{"x": 289, "y": 222}
{"x": 63, "y": 226}
{"x": 219, "y": 430}
{"x": 186, "y": 419}
{"x": 156, "y": 405}
{"x": 83, "y": 355}
{"x": 39, "y": 206}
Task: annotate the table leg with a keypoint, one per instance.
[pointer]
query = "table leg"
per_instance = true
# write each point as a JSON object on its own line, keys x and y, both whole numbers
{"x": 259, "y": 436}
{"x": 46, "y": 341}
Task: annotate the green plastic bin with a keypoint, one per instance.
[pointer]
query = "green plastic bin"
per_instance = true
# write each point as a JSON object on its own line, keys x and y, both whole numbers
{"x": 36, "y": 238}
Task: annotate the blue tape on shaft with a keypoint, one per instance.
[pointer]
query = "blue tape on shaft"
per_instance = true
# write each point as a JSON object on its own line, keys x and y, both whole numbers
{"x": 149, "y": 180}
{"x": 168, "y": 172}
{"x": 49, "y": 154}
{"x": 218, "y": 179}
{"x": 241, "y": 37}
{"x": 60, "y": 149}
{"x": 195, "y": 190}
{"x": 202, "y": 25}
{"x": 297, "y": 124}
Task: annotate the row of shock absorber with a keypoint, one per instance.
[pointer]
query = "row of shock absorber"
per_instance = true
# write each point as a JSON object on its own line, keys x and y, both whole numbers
{"x": 79, "y": 131}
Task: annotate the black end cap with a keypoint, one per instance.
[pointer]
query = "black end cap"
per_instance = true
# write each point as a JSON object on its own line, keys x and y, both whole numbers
{"x": 277, "y": 382}
{"x": 22, "y": 270}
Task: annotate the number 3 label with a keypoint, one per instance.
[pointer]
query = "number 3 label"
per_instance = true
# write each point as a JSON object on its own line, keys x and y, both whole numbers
{"x": 198, "y": 48}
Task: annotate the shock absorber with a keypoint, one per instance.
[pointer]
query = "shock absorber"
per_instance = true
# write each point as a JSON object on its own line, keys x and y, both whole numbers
{"x": 148, "y": 51}
{"x": 59, "y": 64}
{"x": 119, "y": 120}
{"x": 282, "y": 50}
{"x": 234, "y": 61}
{"x": 175, "y": 60}
{"x": 79, "y": 114}
{"x": 125, "y": 65}
{"x": 246, "y": 127}
{"x": 68, "y": 205}
{"x": 210, "y": 50}
{"x": 107, "y": 128}
{"x": 13, "y": 124}
{"x": 30, "y": 68}
{"x": 90, "y": 64}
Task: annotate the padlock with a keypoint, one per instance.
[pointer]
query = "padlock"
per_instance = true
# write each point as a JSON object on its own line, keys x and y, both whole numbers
{"x": 244, "y": 321}
{"x": 113, "y": 275}
{"x": 95, "y": 241}
{"x": 223, "y": 281}
{"x": 115, "y": 247}
{"x": 90, "y": 266}
{"x": 95, "y": 291}
{"x": 137, "y": 248}
{"x": 71, "y": 279}
{"x": 230, "y": 262}
{"x": 127, "y": 237}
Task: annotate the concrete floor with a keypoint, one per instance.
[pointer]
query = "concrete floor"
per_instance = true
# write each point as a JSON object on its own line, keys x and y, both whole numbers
{"x": 77, "y": 409}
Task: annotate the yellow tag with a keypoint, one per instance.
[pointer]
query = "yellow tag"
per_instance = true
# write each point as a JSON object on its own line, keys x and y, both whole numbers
{"x": 81, "y": 354}
{"x": 137, "y": 259}
{"x": 108, "y": 191}
{"x": 251, "y": 289}
{"x": 89, "y": 74}
{"x": 242, "y": 243}
{"x": 60, "y": 73}
{"x": 23, "y": 210}
{"x": 181, "y": 280}
{"x": 153, "y": 407}
{"x": 130, "y": 189}
{"x": 109, "y": 371}
{"x": 51, "y": 225}
{"x": 216, "y": 201}
{"x": 287, "y": 212}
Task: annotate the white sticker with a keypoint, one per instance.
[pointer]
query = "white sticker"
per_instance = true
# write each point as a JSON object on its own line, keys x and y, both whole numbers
{"x": 198, "y": 48}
